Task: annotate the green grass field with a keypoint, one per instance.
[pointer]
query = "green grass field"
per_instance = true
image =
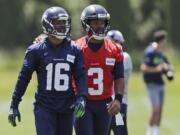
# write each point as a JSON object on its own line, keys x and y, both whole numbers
{"x": 139, "y": 106}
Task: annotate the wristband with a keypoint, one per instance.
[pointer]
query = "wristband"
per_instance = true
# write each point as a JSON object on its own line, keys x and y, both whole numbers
{"x": 119, "y": 97}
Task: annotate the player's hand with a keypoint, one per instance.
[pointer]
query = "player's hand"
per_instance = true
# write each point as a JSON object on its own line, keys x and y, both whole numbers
{"x": 159, "y": 68}
{"x": 13, "y": 115}
{"x": 39, "y": 39}
{"x": 79, "y": 107}
{"x": 166, "y": 66}
{"x": 114, "y": 107}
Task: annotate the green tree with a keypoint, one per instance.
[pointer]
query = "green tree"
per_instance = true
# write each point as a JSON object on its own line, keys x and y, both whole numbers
{"x": 175, "y": 22}
{"x": 12, "y": 22}
{"x": 121, "y": 19}
{"x": 21, "y": 20}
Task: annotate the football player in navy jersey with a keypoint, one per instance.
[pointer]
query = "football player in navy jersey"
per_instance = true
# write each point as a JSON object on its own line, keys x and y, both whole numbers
{"x": 155, "y": 64}
{"x": 56, "y": 61}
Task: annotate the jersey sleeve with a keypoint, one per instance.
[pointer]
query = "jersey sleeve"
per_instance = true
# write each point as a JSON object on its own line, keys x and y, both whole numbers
{"x": 24, "y": 76}
{"x": 119, "y": 63}
{"x": 147, "y": 59}
{"x": 80, "y": 74}
{"x": 118, "y": 70}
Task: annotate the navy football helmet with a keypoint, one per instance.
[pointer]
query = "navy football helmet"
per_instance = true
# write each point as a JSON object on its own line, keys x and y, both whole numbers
{"x": 116, "y": 36}
{"x": 95, "y": 12}
{"x": 56, "y": 22}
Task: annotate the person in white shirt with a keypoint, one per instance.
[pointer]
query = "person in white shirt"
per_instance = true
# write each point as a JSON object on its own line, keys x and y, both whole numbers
{"x": 119, "y": 121}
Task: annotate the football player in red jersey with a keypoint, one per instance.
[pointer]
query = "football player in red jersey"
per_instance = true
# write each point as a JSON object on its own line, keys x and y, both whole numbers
{"x": 104, "y": 67}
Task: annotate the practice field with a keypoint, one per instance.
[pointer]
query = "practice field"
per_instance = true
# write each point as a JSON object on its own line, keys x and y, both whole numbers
{"x": 138, "y": 111}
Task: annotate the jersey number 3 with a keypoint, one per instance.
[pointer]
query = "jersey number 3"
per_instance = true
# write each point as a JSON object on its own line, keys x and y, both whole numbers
{"x": 58, "y": 76}
{"x": 96, "y": 81}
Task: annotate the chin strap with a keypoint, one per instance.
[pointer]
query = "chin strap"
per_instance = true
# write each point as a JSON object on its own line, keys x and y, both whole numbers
{"x": 98, "y": 37}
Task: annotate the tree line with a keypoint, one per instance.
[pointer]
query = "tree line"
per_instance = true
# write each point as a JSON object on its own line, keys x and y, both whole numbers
{"x": 136, "y": 19}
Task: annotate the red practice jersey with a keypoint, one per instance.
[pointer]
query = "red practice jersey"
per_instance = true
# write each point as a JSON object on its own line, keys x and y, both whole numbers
{"x": 99, "y": 67}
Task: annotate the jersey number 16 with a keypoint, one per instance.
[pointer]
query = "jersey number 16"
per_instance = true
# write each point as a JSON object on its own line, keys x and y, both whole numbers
{"x": 58, "y": 76}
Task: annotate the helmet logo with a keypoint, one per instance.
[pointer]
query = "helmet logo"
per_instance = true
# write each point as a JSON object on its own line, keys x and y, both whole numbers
{"x": 102, "y": 16}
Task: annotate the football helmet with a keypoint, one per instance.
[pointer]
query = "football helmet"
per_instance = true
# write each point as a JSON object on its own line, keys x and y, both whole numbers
{"x": 116, "y": 36}
{"x": 95, "y": 12}
{"x": 56, "y": 22}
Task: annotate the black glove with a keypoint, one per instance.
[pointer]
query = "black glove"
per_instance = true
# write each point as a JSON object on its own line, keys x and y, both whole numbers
{"x": 13, "y": 113}
{"x": 79, "y": 107}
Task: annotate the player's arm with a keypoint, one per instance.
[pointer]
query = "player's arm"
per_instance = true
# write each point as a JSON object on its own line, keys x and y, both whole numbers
{"x": 21, "y": 85}
{"x": 167, "y": 64}
{"x": 161, "y": 68}
{"x": 81, "y": 84}
{"x": 168, "y": 69}
{"x": 114, "y": 106}
{"x": 80, "y": 75}
{"x": 119, "y": 79}
{"x": 149, "y": 69}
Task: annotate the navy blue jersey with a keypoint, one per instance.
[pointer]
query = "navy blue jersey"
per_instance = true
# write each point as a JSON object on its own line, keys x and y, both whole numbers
{"x": 153, "y": 58}
{"x": 55, "y": 68}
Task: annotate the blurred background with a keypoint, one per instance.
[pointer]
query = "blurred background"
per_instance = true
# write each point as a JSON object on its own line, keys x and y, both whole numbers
{"x": 20, "y": 23}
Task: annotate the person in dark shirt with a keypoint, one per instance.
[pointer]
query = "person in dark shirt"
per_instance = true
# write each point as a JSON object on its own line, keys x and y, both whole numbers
{"x": 155, "y": 64}
{"x": 56, "y": 60}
